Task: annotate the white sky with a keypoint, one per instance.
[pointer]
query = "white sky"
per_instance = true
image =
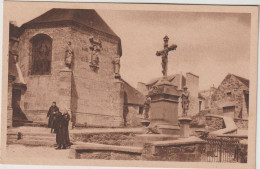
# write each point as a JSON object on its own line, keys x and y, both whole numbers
{"x": 210, "y": 45}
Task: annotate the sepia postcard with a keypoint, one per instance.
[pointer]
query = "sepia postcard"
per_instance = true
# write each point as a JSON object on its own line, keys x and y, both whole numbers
{"x": 129, "y": 85}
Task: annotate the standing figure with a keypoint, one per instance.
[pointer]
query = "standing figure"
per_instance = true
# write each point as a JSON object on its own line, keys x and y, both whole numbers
{"x": 147, "y": 105}
{"x": 116, "y": 62}
{"x": 51, "y": 115}
{"x": 69, "y": 55}
{"x": 62, "y": 132}
{"x": 185, "y": 101}
{"x": 66, "y": 118}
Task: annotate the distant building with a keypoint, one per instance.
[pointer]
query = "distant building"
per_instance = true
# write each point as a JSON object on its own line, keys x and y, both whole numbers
{"x": 135, "y": 102}
{"x": 178, "y": 80}
{"x": 231, "y": 98}
{"x": 205, "y": 98}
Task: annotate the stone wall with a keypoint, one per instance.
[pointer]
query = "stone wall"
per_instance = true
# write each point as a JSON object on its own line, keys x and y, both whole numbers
{"x": 215, "y": 123}
{"x": 97, "y": 98}
{"x": 119, "y": 139}
{"x": 192, "y": 152}
{"x": 231, "y": 93}
{"x": 241, "y": 124}
{"x": 9, "y": 103}
{"x": 42, "y": 90}
{"x": 109, "y": 155}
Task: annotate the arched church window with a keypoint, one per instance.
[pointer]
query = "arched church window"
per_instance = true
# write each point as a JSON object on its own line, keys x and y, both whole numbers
{"x": 41, "y": 55}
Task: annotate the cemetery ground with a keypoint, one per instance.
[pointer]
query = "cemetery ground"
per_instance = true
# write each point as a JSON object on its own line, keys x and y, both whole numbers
{"x": 110, "y": 144}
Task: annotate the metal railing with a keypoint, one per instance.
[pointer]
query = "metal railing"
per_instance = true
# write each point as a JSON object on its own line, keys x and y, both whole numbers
{"x": 222, "y": 149}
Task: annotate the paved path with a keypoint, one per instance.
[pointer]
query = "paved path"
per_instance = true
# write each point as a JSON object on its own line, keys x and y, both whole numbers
{"x": 18, "y": 151}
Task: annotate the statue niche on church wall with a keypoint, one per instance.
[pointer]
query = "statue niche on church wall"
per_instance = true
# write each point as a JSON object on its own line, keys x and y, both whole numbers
{"x": 116, "y": 62}
{"x": 95, "y": 48}
{"x": 69, "y": 56}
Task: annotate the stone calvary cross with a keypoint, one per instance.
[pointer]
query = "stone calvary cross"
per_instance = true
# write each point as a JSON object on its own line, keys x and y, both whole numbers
{"x": 164, "y": 54}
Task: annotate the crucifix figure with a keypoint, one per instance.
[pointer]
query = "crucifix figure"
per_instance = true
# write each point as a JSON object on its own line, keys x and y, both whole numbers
{"x": 164, "y": 54}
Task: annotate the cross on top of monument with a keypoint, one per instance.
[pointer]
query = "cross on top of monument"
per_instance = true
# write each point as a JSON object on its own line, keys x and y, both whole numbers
{"x": 164, "y": 54}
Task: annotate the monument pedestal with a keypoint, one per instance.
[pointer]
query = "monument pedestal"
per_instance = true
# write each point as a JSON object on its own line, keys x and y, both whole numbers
{"x": 185, "y": 126}
{"x": 164, "y": 108}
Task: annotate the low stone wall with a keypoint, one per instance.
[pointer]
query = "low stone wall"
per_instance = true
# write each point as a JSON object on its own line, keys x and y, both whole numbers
{"x": 109, "y": 155}
{"x": 121, "y": 139}
{"x": 105, "y": 152}
{"x": 191, "y": 149}
{"x": 215, "y": 123}
{"x": 241, "y": 124}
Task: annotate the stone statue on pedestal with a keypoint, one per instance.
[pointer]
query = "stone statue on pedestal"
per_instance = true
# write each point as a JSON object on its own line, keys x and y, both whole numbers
{"x": 185, "y": 101}
{"x": 147, "y": 106}
{"x": 69, "y": 55}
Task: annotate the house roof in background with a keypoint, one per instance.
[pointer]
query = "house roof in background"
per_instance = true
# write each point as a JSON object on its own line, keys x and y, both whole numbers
{"x": 134, "y": 96}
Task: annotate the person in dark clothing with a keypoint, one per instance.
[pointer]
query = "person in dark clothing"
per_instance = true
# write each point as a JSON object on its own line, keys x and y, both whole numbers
{"x": 62, "y": 131}
{"x": 51, "y": 114}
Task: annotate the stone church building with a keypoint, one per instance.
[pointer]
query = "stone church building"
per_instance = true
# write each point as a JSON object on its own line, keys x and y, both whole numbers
{"x": 70, "y": 56}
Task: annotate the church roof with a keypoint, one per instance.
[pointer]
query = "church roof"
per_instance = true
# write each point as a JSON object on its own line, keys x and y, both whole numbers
{"x": 78, "y": 17}
{"x": 87, "y": 17}
{"x": 243, "y": 80}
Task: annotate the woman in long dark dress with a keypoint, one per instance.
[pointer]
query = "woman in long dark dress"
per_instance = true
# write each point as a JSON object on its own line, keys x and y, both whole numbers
{"x": 62, "y": 132}
{"x": 66, "y": 118}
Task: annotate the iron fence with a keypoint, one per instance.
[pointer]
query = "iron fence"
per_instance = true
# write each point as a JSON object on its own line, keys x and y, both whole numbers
{"x": 222, "y": 149}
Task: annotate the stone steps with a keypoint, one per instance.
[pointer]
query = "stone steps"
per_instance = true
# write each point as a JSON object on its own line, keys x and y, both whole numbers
{"x": 31, "y": 139}
{"x": 32, "y": 142}
{"x": 20, "y": 122}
